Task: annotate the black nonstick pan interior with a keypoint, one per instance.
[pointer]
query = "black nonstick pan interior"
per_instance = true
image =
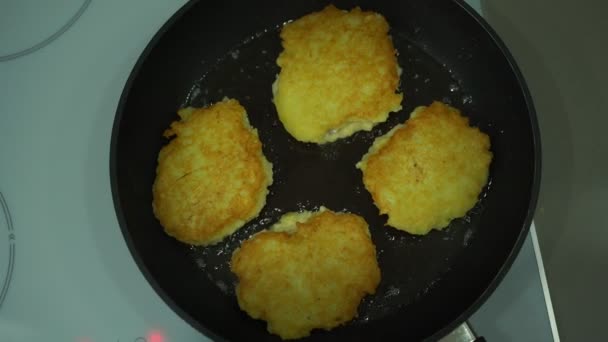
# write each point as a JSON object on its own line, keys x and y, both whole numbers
{"x": 210, "y": 50}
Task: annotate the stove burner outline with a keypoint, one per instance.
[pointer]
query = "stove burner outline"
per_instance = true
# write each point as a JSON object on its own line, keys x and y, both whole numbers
{"x": 47, "y": 41}
{"x": 11, "y": 241}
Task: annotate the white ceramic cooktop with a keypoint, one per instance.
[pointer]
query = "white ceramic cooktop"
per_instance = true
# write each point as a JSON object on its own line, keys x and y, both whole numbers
{"x": 65, "y": 271}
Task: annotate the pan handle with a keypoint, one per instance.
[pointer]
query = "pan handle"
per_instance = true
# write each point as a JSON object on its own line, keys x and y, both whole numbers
{"x": 463, "y": 333}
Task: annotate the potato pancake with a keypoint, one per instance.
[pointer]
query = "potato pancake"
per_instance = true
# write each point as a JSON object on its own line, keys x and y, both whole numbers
{"x": 339, "y": 75}
{"x": 427, "y": 171}
{"x": 212, "y": 177}
{"x": 309, "y": 271}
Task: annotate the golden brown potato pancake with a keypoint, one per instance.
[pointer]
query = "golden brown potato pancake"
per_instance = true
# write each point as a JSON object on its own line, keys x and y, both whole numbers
{"x": 338, "y": 75}
{"x": 309, "y": 271}
{"x": 212, "y": 177}
{"x": 427, "y": 171}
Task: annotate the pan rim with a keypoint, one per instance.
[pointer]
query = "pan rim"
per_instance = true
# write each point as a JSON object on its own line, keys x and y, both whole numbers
{"x": 114, "y": 175}
{"x": 474, "y": 306}
{"x": 535, "y": 188}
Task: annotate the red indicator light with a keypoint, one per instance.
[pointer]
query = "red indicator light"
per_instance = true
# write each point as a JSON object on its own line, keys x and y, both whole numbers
{"x": 156, "y": 336}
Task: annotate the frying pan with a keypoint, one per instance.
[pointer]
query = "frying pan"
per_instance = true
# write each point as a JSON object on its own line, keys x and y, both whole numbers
{"x": 430, "y": 284}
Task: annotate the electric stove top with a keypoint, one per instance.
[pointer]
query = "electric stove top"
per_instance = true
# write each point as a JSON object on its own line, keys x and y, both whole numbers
{"x": 65, "y": 271}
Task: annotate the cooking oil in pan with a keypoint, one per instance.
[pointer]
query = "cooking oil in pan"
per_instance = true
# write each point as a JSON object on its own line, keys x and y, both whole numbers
{"x": 307, "y": 176}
